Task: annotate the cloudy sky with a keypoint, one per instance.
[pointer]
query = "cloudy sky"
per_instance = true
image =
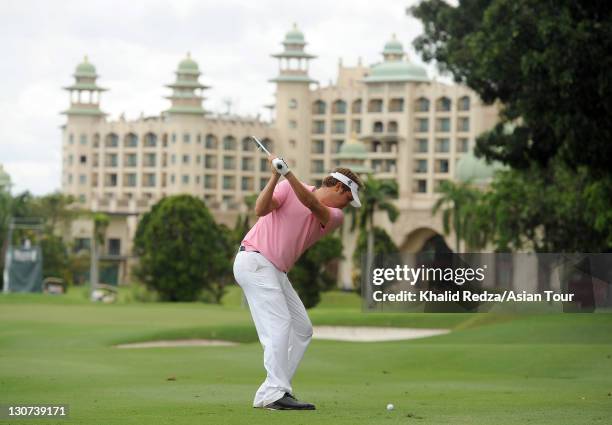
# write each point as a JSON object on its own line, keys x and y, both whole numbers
{"x": 137, "y": 45}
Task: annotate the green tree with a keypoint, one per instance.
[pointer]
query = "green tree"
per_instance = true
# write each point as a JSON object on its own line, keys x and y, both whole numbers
{"x": 547, "y": 64}
{"x": 310, "y": 275}
{"x": 182, "y": 250}
{"x": 456, "y": 204}
{"x": 377, "y": 195}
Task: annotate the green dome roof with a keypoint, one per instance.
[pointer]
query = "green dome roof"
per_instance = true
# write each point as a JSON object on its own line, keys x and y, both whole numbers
{"x": 353, "y": 149}
{"x": 393, "y": 47}
{"x": 294, "y": 36}
{"x": 188, "y": 66}
{"x": 476, "y": 170}
{"x": 85, "y": 69}
{"x": 396, "y": 71}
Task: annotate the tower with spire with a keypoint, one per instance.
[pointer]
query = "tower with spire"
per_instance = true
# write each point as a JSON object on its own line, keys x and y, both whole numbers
{"x": 293, "y": 101}
{"x": 187, "y": 91}
{"x": 85, "y": 92}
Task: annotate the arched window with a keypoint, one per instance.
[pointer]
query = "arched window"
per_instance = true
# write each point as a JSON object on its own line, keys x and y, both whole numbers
{"x": 464, "y": 103}
{"x": 248, "y": 145}
{"x": 339, "y": 107}
{"x": 378, "y": 127}
{"x": 318, "y": 107}
{"x": 150, "y": 140}
{"x": 130, "y": 140}
{"x": 356, "y": 107}
{"x": 443, "y": 104}
{"x": 211, "y": 141}
{"x": 396, "y": 105}
{"x": 422, "y": 104}
{"x": 392, "y": 127}
{"x": 229, "y": 143}
{"x": 111, "y": 140}
{"x": 268, "y": 144}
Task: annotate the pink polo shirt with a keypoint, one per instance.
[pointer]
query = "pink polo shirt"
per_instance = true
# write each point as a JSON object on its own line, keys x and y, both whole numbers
{"x": 289, "y": 230}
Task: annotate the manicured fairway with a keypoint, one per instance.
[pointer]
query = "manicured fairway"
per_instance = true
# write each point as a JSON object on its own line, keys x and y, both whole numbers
{"x": 548, "y": 369}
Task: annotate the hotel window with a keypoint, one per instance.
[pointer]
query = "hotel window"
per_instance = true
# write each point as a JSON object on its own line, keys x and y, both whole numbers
{"x": 463, "y": 124}
{"x": 248, "y": 145}
{"x": 185, "y": 159}
{"x": 262, "y": 183}
{"x": 442, "y": 166}
{"x": 130, "y": 180}
{"x": 462, "y": 145}
{"x": 292, "y": 124}
{"x": 337, "y": 145}
{"x": 420, "y": 166}
{"x": 318, "y": 146}
{"x": 443, "y": 125}
{"x": 83, "y": 159}
{"x": 443, "y": 104}
{"x": 339, "y": 107}
{"x": 229, "y": 163}
{"x": 422, "y": 105}
{"x": 82, "y": 179}
{"x": 293, "y": 104}
{"x": 83, "y": 139}
{"x": 130, "y": 140}
{"x": 318, "y": 127}
{"x": 422, "y": 145}
{"x": 185, "y": 179}
{"x": 149, "y": 160}
{"x": 377, "y": 127}
{"x": 130, "y": 160}
{"x": 339, "y": 127}
{"x": 356, "y": 107}
{"x": 210, "y": 161}
{"x": 228, "y": 182}
{"x": 247, "y": 164}
{"x": 149, "y": 179}
{"x": 464, "y": 104}
{"x": 211, "y": 142}
{"x": 375, "y": 105}
{"x": 246, "y": 183}
{"x": 263, "y": 165}
{"x": 356, "y": 126}
{"x": 442, "y": 145}
{"x": 111, "y": 160}
{"x": 229, "y": 143}
{"x": 396, "y": 105}
{"x": 173, "y": 137}
{"x": 111, "y": 141}
{"x": 209, "y": 181}
{"x": 392, "y": 127}
{"x": 71, "y": 138}
{"x": 422, "y": 125}
{"x": 150, "y": 140}
{"x": 420, "y": 186}
{"x": 186, "y": 138}
{"x": 317, "y": 166}
{"x": 318, "y": 107}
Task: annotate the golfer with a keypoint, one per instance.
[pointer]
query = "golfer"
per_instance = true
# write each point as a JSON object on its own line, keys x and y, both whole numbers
{"x": 292, "y": 217}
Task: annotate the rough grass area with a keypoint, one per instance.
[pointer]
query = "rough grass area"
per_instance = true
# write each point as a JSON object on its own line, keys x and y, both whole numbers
{"x": 547, "y": 369}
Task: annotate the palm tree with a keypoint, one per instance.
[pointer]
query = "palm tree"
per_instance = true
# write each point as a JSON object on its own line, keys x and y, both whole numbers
{"x": 458, "y": 203}
{"x": 375, "y": 196}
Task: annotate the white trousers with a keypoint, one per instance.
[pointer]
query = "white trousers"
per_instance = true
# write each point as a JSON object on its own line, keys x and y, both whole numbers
{"x": 280, "y": 317}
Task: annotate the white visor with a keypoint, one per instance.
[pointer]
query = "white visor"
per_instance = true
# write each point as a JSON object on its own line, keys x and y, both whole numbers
{"x": 351, "y": 185}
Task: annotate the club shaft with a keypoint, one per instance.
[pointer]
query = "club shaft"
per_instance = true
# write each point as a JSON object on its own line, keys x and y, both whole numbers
{"x": 260, "y": 145}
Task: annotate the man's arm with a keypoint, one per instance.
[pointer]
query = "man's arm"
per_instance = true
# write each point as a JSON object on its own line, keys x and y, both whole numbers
{"x": 308, "y": 199}
{"x": 265, "y": 203}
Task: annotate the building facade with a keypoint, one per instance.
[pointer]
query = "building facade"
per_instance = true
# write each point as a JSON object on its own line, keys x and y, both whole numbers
{"x": 412, "y": 129}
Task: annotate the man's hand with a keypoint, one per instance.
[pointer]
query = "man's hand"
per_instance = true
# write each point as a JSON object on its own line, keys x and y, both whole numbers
{"x": 278, "y": 165}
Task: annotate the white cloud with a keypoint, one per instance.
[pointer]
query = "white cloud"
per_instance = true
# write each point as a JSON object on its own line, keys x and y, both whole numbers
{"x": 136, "y": 47}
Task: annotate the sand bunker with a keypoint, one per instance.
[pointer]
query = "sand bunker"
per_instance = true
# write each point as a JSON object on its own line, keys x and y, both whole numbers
{"x": 334, "y": 333}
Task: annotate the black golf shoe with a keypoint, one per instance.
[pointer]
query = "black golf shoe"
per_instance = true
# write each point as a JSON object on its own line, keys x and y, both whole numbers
{"x": 289, "y": 402}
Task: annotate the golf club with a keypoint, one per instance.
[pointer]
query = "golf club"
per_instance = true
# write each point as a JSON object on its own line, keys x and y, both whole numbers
{"x": 277, "y": 162}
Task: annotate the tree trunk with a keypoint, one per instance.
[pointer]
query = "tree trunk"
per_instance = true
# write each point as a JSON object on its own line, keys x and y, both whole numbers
{"x": 369, "y": 259}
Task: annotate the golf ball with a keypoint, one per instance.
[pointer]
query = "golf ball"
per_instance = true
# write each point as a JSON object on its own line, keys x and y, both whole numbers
{"x": 390, "y": 407}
